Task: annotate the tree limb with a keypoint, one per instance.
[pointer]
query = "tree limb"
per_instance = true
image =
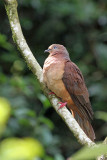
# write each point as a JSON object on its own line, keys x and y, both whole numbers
{"x": 11, "y": 8}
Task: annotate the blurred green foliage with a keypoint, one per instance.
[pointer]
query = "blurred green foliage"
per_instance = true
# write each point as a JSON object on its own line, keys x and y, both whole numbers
{"x": 20, "y": 149}
{"x": 82, "y": 28}
{"x": 4, "y": 113}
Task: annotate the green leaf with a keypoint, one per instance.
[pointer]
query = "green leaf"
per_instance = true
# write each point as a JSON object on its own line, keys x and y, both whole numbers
{"x": 46, "y": 121}
{"x": 4, "y": 113}
{"x": 92, "y": 153}
{"x": 101, "y": 115}
{"x": 44, "y": 100}
{"x": 21, "y": 149}
{"x": 4, "y": 43}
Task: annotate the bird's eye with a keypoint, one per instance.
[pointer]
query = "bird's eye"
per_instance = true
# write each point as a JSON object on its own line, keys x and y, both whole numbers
{"x": 54, "y": 47}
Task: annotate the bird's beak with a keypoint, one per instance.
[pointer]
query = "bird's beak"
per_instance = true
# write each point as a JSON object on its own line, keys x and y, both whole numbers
{"x": 47, "y": 50}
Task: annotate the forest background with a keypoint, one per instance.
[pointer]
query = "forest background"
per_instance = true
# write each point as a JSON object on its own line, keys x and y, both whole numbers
{"x": 27, "y": 119}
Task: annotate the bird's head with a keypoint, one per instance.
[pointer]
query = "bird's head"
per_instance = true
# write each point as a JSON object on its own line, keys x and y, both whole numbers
{"x": 57, "y": 49}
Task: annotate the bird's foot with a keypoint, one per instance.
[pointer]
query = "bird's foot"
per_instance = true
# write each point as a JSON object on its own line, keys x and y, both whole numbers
{"x": 62, "y": 105}
{"x": 51, "y": 93}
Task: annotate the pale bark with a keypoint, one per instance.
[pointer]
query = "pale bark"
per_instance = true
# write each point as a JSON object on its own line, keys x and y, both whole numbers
{"x": 11, "y": 8}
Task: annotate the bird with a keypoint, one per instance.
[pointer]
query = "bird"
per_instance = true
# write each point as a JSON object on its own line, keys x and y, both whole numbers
{"x": 65, "y": 80}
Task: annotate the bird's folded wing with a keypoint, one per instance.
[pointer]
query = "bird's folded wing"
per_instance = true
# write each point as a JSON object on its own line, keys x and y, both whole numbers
{"x": 75, "y": 85}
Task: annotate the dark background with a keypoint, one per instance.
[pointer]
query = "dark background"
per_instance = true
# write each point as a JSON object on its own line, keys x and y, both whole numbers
{"x": 81, "y": 26}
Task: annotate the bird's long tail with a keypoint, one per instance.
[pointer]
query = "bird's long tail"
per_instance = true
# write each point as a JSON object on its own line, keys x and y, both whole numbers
{"x": 85, "y": 125}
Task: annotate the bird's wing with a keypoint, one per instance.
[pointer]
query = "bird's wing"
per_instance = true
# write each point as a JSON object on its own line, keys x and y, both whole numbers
{"x": 75, "y": 85}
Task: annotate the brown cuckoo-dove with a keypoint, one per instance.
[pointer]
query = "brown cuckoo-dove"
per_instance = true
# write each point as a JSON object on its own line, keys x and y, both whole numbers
{"x": 65, "y": 79}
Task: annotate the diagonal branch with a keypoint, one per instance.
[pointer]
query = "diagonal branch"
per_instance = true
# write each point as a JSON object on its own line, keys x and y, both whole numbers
{"x": 11, "y": 8}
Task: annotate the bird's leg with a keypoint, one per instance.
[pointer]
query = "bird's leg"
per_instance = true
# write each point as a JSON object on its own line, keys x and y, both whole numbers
{"x": 62, "y": 105}
{"x": 51, "y": 93}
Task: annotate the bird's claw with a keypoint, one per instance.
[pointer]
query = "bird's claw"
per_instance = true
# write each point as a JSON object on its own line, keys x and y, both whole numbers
{"x": 51, "y": 93}
{"x": 62, "y": 105}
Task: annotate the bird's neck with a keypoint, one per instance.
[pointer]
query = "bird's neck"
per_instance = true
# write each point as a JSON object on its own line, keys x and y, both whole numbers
{"x": 56, "y": 59}
{"x": 59, "y": 56}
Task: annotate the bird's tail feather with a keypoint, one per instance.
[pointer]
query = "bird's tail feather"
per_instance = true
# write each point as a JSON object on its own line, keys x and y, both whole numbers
{"x": 85, "y": 125}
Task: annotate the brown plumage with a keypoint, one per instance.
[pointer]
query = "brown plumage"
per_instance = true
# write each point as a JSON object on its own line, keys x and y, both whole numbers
{"x": 64, "y": 78}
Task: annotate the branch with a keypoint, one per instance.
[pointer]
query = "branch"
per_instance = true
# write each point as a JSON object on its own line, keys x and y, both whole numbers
{"x": 11, "y": 8}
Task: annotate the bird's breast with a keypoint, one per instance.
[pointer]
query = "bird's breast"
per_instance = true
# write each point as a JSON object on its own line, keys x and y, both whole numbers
{"x": 52, "y": 74}
{"x": 53, "y": 71}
